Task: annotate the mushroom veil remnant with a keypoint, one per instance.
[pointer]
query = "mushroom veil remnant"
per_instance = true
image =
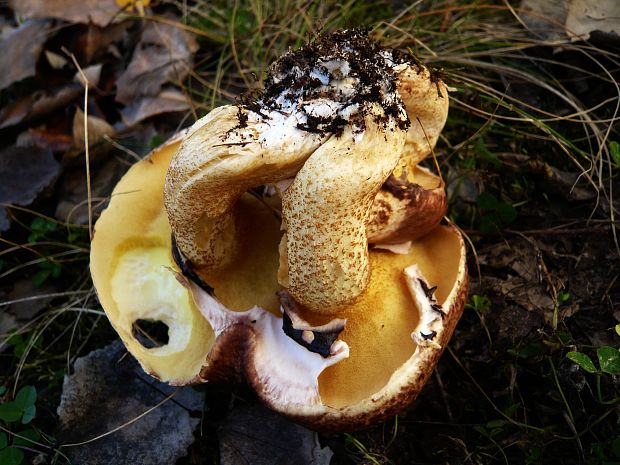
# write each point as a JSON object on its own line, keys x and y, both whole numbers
{"x": 293, "y": 241}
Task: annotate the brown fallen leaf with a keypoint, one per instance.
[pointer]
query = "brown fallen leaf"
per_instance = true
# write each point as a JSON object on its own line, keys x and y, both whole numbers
{"x": 25, "y": 172}
{"x": 97, "y": 129}
{"x": 73, "y": 197}
{"x": 107, "y": 391}
{"x": 95, "y": 41}
{"x": 100, "y": 12}
{"x": 167, "y": 101}
{"x": 38, "y": 104}
{"x": 163, "y": 54}
{"x": 254, "y": 434}
{"x": 577, "y": 19}
{"x": 92, "y": 74}
{"x": 28, "y": 301}
{"x": 21, "y": 48}
{"x": 57, "y": 142}
{"x": 528, "y": 282}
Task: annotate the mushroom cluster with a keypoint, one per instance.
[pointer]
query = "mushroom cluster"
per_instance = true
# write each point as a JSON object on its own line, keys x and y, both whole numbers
{"x": 293, "y": 241}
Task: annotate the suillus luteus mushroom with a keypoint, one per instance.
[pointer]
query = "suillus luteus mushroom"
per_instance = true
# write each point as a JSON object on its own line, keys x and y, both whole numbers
{"x": 292, "y": 240}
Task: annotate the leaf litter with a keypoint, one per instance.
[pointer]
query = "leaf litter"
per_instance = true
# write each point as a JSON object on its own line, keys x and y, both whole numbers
{"x": 21, "y": 47}
{"x": 163, "y": 54}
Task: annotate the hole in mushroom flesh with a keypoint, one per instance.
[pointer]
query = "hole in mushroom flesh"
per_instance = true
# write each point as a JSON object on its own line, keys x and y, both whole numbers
{"x": 150, "y": 333}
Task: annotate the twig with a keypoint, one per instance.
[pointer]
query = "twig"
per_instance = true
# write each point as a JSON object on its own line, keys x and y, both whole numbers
{"x": 86, "y": 84}
{"x": 539, "y": 232}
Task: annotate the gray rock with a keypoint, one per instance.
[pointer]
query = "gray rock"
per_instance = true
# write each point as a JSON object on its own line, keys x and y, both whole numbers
{"x": 252, "y": 434}
{"x": 109, "y": 389}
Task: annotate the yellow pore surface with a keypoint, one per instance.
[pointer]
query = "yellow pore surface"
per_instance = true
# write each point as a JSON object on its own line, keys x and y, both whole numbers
{"x": 378, "y": 327}
{"x": 132, "y": 269}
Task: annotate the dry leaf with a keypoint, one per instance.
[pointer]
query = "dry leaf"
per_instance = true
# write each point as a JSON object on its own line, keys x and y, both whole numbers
{"x": 97, "y": 129}
{"x": 163, "y": 54}
{"x": 167, "y": 101}
{"x": 545, "y": 19}
{"x": 100, "y": 12}
{"x": 73, "y": 197}
{"x": 91, "y": 73}
{"x": 25, "y": 172}
{"x": 38, "y": 104}
{"x": 577, "y": 19}
{"x": 134, "y": 5}
{"x": 57, "y": 142}
{"x": 587, "y": 16}
{"x": 254, "y": 434}
{"x": 56, "y": 61}
{"x": 30, "y": 300}
{"x": 96, "y": 41}
{"x": 107, "y": 390}
{"x": 21, "y": 48}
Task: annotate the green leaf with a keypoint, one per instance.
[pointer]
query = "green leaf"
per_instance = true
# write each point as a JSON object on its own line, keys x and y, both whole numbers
{"x": 609, "y": 360}
{"x": 481, "y": 430}
{"x": 40, "y": 277}
{"x": 583, "y": 361}
{"x": 10, "y": 412}
{"x": 534, "y": 456}
{"x": 535, "y": 349}
{"x": 3, "y": 440}
{"x": 496, "y": 424}
{"x": 614, "y": 148}
{"x": 25, "y": 435}
{"x": 511, "y": 409}
{"x": 29, "y": 413}
{"x": 563, "y": 297}
{"x": 507, "y": 212}
{"x": 487, "y": 202}
{"x": 26, "y": 397}
{"x": 156, "y": 141}
{"x": 482, "y": 151}
{"x": 11, "y": 456}
{"x": 2, "y": 390}
{"x": 615, "y": 447}
{"x": 40, "y": 227}
{"x": 490, "y": 222}
{"x": 618, "y": 329}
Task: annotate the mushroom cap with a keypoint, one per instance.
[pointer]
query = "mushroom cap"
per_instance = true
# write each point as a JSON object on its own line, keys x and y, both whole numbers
{"x": 372, "y": 369}
{"x": 129, "y": 263}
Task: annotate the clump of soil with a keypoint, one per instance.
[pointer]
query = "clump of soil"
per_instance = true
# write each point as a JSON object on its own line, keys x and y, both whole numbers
{"x": 334, "y": 81}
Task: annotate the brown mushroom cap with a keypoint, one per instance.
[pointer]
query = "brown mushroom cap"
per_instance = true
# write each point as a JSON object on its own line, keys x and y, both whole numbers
{"x": 237, "y": 331}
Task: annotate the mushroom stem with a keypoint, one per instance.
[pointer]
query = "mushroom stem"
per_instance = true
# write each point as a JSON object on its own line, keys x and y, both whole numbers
{"x": 325, "y": 214}
{"x": 217, "y": 162}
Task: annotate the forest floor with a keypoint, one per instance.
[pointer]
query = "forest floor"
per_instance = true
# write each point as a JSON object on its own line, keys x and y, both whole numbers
{"x": 531, "y": 159}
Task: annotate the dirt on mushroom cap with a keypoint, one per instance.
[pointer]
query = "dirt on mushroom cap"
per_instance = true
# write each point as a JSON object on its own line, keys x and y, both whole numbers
{"x": 347, "y": 68}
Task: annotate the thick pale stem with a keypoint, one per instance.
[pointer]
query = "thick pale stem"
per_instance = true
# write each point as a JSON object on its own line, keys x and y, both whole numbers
{"x": 325, "y": 213}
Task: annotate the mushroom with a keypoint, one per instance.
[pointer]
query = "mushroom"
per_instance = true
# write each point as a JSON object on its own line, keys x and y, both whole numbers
{"x": 291, "y": 240}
